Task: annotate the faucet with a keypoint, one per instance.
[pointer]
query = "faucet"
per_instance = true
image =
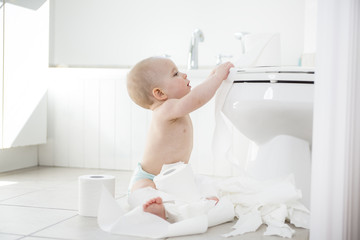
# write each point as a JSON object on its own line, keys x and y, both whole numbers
{"x": 241, "y": 37}
{"x": 197, "y": 36}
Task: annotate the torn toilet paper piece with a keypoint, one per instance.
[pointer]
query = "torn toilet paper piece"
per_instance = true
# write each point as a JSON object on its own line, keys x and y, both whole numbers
{"x": 283, "y": 231}
{"x": 275, "y": 220}
{"x": 248, "y": 222}
{"x": 265, "y": 202}
{"x": 299, "y": 215}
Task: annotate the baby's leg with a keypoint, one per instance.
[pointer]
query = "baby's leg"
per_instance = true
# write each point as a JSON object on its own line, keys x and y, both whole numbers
{"x": 143, "y": 183}
{"x": 155, "y": 205}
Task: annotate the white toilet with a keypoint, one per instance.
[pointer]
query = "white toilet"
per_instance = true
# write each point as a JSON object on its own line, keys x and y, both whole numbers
{"x": 273, "y": 107}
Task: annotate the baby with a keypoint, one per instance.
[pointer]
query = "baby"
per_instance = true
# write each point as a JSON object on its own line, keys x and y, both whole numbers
{"x": 155, "y": 83}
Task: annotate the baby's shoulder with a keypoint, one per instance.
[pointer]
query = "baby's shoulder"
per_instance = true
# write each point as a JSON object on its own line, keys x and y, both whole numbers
{"x": 164, "y": 110}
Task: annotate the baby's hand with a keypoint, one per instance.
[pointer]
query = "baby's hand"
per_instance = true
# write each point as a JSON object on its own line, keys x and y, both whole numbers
{"x": 222, "y": 71}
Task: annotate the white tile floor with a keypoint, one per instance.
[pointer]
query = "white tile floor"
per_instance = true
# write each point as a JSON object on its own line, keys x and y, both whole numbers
{"x": 41, "y": 204}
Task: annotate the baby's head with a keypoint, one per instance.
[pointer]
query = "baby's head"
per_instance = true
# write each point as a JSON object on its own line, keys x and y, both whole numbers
{"x": 141, "y": 79}
{"x": 148, "y": 81}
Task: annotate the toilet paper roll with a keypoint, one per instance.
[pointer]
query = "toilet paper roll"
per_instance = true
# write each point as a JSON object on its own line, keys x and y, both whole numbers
{"x": 90, "y": 188}
{"x": 179, "y": 181}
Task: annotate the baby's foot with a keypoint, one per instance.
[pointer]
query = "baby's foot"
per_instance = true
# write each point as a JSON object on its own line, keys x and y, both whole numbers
{"x": 214, "y": 199}
{"x": 155, "y": 206}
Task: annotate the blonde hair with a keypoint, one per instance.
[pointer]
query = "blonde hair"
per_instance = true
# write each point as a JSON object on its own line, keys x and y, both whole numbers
{"x": 141, "y": 80}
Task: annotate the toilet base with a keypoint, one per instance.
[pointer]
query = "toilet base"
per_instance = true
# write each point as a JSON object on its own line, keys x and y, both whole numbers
{"x": 280, "y": 157}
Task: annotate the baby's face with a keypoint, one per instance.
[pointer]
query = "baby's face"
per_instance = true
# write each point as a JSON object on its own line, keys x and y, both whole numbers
{"x": 174, "y": 83}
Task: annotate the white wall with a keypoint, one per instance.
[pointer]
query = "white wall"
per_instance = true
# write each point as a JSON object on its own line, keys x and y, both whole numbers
{"x": 24, "y": 77}
{"x": 115, "y": 33}
{"x": 23, "y": 65}
{"x": 89, "y": 119}
{"x": 18, "y": 158}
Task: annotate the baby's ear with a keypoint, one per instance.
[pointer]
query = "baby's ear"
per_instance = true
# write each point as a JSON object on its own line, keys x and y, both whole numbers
{"x": 159, "y": 94}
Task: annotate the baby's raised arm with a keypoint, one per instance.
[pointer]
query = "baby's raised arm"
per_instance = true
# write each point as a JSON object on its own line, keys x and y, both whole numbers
{"x": 200, "y": 95}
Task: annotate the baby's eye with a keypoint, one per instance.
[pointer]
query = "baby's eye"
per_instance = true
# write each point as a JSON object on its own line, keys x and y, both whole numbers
{"x": 175, "y": 74}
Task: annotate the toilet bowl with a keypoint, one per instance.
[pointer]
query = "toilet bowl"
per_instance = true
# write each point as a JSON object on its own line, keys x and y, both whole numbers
{"x": 273, "y": 108}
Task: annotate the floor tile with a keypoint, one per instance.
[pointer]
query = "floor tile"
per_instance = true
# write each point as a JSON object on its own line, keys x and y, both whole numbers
{"x": 4, "y": 236}
{"x": 39, "y": 238}
{"x": 8, "y": 192}
{"x": 27, "y": 220}
{"x": 60, "y": 197}
{"x": 13, "y": 186}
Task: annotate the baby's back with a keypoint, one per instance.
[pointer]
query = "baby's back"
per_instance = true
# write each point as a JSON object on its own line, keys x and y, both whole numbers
{"x": 167, "y": 142}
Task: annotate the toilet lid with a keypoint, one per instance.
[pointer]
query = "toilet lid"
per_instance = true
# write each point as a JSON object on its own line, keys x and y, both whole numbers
{"x": 275, "y": 75}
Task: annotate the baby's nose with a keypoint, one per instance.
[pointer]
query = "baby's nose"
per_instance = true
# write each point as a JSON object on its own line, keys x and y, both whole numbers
{"x": 184, "y": 75}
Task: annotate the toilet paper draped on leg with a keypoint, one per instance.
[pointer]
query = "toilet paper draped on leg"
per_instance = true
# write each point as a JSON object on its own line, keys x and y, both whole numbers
{"x": 113, "y": 219}
{"x": 189, "y": 213}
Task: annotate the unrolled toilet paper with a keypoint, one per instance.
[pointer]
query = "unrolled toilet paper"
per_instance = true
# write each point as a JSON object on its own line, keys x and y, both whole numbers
{"x": 222, "y": 138}
{"x": 178, "y": 179}
{"x": 269, "y": 202}
{"x": 90, "y": 188}
{"x": 196, "y": 216}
